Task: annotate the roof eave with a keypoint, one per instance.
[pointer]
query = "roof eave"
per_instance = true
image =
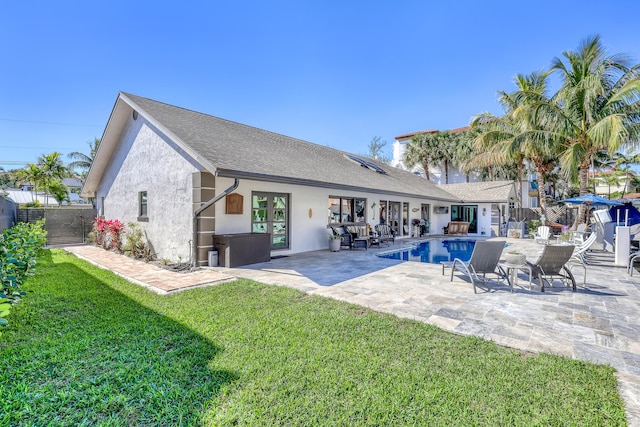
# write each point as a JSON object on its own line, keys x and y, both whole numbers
{"x": 227, "y": 173}
{"x": 123, "y": 107}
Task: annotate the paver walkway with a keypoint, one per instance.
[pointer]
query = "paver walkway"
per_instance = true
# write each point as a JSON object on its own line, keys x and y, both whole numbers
{"x": 599, "y": 323}
{"x": 155, "y": 278}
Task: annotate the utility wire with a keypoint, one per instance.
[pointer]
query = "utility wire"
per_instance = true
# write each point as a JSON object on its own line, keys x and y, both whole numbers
{"x": 49, "y": 123}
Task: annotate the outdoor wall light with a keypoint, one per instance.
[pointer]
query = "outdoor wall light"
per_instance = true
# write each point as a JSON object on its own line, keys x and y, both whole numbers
{"x": 484, "y": 211}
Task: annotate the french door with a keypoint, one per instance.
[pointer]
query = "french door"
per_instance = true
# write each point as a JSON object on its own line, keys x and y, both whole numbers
{"x": 270, "y": 214}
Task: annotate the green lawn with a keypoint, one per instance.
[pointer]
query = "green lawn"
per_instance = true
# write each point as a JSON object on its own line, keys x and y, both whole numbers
{"x": 88, "y": 348}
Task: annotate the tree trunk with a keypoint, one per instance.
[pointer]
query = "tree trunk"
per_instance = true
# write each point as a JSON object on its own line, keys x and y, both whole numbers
{"x": 583, "y": 176}
{"x": 425, "y": 166}
{"x": 519, "y": 193}
{"x": 446, "y": 171}
{"x": 541, "y": 196}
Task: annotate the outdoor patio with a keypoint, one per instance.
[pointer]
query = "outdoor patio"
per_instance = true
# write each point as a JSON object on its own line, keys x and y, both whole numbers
{"x": 599, "y": 323}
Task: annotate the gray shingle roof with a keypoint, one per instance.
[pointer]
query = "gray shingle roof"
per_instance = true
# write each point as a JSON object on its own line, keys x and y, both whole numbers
{"x": 486, "y": 191}
{"x": 238, "y": 150}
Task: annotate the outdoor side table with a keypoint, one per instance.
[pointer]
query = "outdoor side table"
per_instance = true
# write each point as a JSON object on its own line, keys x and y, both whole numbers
{"x": 512, "y": 270}
{"x": 361, "y": 242}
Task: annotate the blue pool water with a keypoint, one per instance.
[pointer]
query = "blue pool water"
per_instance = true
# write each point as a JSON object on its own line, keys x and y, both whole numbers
{"x": 435, "y": 250}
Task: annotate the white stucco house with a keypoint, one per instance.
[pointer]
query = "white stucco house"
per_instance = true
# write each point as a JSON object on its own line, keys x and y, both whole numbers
{"x": 436, "y": 172}
{"x": 186, "y": 177}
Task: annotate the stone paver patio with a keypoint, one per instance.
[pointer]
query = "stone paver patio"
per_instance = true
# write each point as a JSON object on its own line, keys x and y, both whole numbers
{"x": 599, "y": 323}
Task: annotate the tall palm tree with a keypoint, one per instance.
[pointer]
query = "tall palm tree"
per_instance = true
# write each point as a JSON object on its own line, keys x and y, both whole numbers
{"x": 464, "y": 151}
{"x": 443, "y": 144}
{"x": 518, "y": 135}
{"x": 623, "y": 163}
{"x": 30, "y": 174}
{"x": 421, "y": 150}
{"x": 83, "y": 161}
{"x": 596, "y": 108}
{"x": 53, "y": 171}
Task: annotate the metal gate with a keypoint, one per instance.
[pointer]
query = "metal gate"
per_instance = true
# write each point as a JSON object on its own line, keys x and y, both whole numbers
{"x": 65, "y": 226}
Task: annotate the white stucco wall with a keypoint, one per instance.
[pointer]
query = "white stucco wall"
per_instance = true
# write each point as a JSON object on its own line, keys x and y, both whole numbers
{"x": 145, "y": 161}
{"x": 306, "y": 233}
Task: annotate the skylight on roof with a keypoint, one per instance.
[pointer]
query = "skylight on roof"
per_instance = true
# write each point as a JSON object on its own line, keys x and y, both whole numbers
{"x": 365, "y": 163}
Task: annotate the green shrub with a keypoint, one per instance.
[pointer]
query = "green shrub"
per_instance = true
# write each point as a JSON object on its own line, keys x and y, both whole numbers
{"x": 135, "y": 243}
{"x": 19, "y": 247}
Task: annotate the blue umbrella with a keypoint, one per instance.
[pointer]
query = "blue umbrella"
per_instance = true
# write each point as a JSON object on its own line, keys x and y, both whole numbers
{"x": 591, "y": 199}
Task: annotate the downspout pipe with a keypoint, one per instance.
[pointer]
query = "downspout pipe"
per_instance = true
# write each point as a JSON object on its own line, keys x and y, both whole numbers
{"x": 196, "y": 214}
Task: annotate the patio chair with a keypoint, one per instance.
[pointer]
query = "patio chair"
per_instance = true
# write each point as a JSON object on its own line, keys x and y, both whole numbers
{"x": 484, "y": 260}
{"x": 385, "y": 234}
{"x": 542, "y": 235}
{"x": 552, "y": 264}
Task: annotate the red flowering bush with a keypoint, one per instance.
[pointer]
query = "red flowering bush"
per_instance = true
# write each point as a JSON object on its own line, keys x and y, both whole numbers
{"x": 108, "y": 233}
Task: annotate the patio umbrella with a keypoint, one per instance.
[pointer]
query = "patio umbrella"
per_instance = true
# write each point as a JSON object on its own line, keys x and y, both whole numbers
{"x": 591, "y": 199}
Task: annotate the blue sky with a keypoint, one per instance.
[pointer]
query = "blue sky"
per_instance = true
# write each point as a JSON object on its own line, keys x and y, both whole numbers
{"x": 335, "y": 73}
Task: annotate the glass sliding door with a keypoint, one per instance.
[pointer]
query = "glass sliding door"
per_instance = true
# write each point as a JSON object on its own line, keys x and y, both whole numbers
{"x": 467, "y": 213}
{"x": 270, "y": 214}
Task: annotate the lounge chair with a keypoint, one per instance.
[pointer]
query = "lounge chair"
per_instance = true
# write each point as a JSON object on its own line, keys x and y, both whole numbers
{"x": 580, "y": 252}
{"x": 552, "y": 264}
{"x": 577, "y": 236}
{"x": 385, "y": 234}
{"x": 484, "y": 260}
{"x": 542, "y": 235}
{"x": 579, "y": 257}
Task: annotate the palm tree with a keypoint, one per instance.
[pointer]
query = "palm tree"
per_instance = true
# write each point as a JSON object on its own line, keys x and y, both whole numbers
{"x": 623, "y": 163}
{"x": 464, "y": 151}
{"x": 30, "y": 174}
{"x": 517, "y": 135}
{"x": 421, "y": 150}
{"x": 609, "y": 180}
{"x": 596, "y": 108}
{"x": 59, "y": 191}
{"x": 83, "y": 161}
{"x": 445, "y": 149}
{"x": 53, "y": 171}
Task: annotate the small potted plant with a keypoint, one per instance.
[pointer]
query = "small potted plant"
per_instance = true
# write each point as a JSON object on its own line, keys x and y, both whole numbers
{"x": 334, "y": 242}
{"x": 514, "y": 257}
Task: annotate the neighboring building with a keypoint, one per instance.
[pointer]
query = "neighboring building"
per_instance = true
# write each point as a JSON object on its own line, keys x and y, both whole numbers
{"x": 436, "y": 172}
{"x": 24, "y": 197}
{"x": 485, "y": 205}
{"x": 603, "y": 189}
{"x": 75, "y": 188}
{"x": 185, "y": 176}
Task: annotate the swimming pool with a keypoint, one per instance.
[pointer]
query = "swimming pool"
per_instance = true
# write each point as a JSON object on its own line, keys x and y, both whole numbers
{"x": 434, "y": 251}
